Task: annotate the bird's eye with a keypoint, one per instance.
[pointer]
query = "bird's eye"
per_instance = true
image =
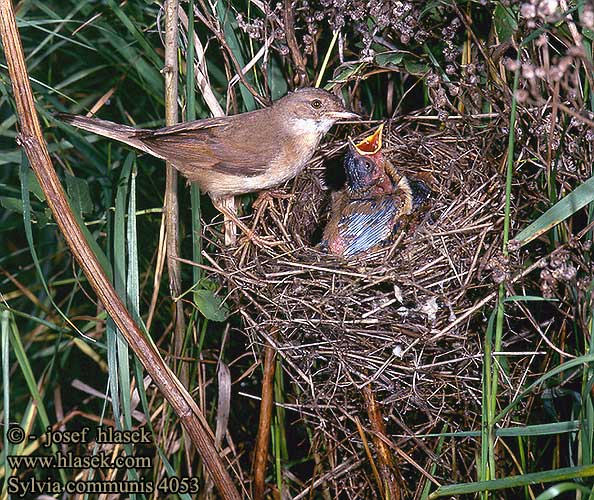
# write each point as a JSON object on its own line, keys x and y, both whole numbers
{"x": 316, "y": 104}
{"x": 368, "y": 166}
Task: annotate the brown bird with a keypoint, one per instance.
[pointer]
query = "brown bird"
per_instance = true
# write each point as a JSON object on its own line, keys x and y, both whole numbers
{"x": 237, "y": 154}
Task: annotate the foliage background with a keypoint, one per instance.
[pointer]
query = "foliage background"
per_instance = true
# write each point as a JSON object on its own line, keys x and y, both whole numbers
{"x": 528, "y": 64}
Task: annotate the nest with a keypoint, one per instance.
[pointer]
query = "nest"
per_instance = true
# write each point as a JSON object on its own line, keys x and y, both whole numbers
{"x": 399, "y": 322}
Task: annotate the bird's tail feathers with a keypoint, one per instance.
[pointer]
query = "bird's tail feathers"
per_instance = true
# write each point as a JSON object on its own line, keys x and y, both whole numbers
{"x": 122, "y": 133}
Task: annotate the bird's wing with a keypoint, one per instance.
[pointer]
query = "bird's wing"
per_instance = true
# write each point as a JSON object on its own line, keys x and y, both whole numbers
{"x": 214, "y": 144}
{"x": 204, "y": 124}
{"x": 365, "y": 224}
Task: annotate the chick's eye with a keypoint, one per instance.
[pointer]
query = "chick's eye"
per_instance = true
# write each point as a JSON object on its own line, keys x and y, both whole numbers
{"x": 368, "y": 166}
{"x": 316, "y": 104}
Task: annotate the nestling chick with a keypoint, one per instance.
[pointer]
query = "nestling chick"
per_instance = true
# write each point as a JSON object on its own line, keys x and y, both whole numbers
{"x": 367, "y": 214}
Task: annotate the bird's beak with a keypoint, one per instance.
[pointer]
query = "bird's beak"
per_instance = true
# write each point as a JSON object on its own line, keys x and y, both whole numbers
{"x": 343, "y": 115}
{"x": 371, "y": 144}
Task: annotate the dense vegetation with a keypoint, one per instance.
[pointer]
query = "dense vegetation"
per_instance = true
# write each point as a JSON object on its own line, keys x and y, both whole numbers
{"x": 519, "y": 75}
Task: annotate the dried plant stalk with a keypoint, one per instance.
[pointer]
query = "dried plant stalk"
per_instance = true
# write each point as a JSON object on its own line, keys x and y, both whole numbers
{"x": 31, "y": 139}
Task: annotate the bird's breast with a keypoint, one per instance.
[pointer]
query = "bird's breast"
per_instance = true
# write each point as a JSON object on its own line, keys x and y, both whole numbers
{"x": 293, "y": 154}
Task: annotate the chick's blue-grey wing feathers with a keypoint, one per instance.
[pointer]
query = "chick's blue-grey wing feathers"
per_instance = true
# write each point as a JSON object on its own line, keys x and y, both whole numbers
{"x": 366, "y": 224}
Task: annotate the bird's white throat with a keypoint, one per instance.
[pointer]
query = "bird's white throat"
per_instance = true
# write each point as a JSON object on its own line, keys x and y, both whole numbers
{"x": 309, "y": 125}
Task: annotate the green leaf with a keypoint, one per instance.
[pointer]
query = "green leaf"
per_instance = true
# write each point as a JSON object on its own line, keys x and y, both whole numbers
{"x": 32, "y": 384}
{"x": 16, "y": 205}
{"x": 230, "y": 29}
{"x": 78, "y": 190}
{"x": 210, "y": 305}
{"x": 520, "y": 431}
{"x": 44, "y": 218}
{"x": 505, "y": 22}
{"x": 586, "y": 32}
{"x": 276, "y": 77}
{"x": 559, "y": 489}
{"x": 147, "y": 49}
{"x": 528, "y": 298}
{"x": 515, "y": 481}
{"x": 12, "y": 204}
{"x": 35, "y": 188}
{"x": 389, "y": 59}
{"x": 343, "y": 73}
{"x": 416, "y": 68}
{"x": 564, "y": 208}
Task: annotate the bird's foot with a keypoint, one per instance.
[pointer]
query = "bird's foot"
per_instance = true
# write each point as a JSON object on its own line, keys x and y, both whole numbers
{"x": 265, "y": 197}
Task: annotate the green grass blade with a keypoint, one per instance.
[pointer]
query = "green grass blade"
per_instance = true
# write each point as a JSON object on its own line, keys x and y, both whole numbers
{"x": 132, "y": 281}
{"x": 515, "y": 481}
{"x": 120, "y": 284}
{"x": 4, "y": 338}
{"x": 112, "y": 364}
{"x": 529, "y": 298}
{"x": 25, "y": 171}
{"x": 191, "y": 115}
{"x": 230, "y": 28}
{"x": 580, "y": 197}
{"x": 23, "y": 362}
{"x": 585, "y": 359}
{"x": 147, "y": 49}
{"x": 523, "y": 431}
{"x": 133, "y": 277}
{"x": 428, "y": 484}
{"x": 559, "y": 489}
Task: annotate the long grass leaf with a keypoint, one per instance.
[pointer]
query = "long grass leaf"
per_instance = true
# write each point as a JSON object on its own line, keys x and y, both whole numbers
{"x": 230, "y": 29}
{"x": 559, "y": 489}
{"x": 524, "y": 431}
{"x": 585, "y": 359}
{"x": 25, "y": 366}
{"x": 548, "y": 476}
{"x": 4, "y": 339}
{"x": 580, "y": 197}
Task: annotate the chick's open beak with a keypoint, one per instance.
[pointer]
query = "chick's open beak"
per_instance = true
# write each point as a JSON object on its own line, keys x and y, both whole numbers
{"x": 371, "y": 144}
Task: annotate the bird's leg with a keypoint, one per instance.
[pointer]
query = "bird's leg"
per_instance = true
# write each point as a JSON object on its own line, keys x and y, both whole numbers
{"x": 221, "y": 204}
{"x": 226, "y": 205}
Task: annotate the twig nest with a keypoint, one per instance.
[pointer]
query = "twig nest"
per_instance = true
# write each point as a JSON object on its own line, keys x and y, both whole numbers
{"x": 397, "y": 319}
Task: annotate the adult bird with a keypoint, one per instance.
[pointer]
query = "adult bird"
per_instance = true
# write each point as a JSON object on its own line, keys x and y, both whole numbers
{"x": 367, "y": 214}
{"x": 238, "y": 154}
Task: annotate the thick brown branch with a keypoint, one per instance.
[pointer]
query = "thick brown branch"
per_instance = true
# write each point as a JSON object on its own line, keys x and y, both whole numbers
{"x": 263, "y": 436}
{"x": 31, "y": 138}
{"x": 298, "y": 58}
{"x": 170, "y": 72}
{"x": 388, "y": 469}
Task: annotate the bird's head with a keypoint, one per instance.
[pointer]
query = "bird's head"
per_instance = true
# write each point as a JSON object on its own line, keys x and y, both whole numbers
{"x": 312, "y": 110}
{"x": 364, "y": 163}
